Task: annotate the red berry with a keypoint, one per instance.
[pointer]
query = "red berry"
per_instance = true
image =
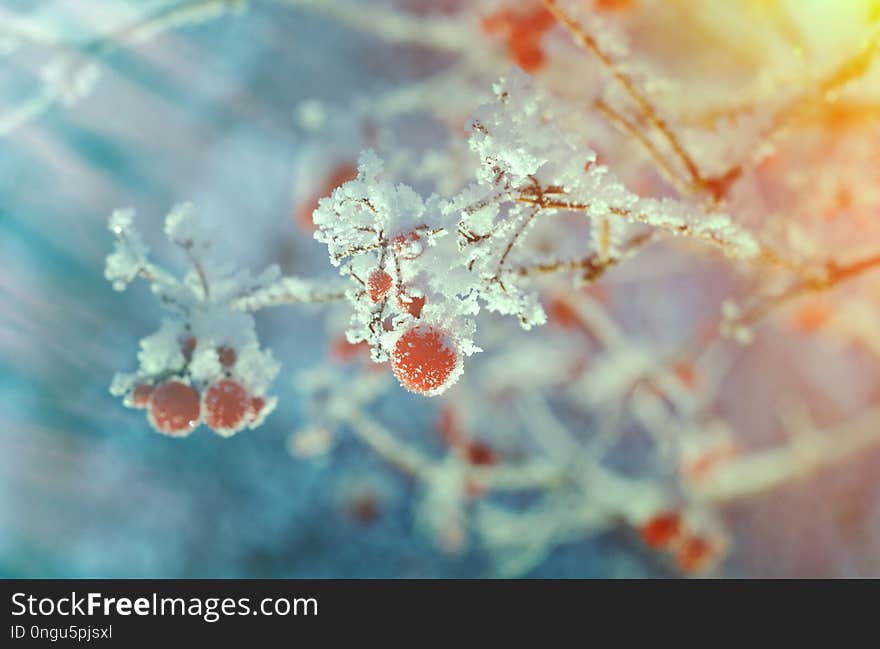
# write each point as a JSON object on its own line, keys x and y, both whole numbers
{"x": 140, "y": 395}
{"x": 174, "y": 408}
{"x": 480, "y": 454}
{"x": 364, "y": 509}
{"x": 424, "y": 359}
{"x": 226, "y": 356}
{"x": 408, "y": 246}
{"x": 449, "y": 427}
{"x": 339, "y": 175}
{"x": 187, "y": 347}
{"x": 412, "y": 304}
{"x": 257, "y": 405}
{"x": 378, "y": 284}
{"x": 226, "y": 403}
{"x": 660, "y": 530}
{"x": 345, "y": 352}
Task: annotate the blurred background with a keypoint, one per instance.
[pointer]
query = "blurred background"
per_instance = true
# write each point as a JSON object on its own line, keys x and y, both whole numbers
{"x": 211, "y": 112}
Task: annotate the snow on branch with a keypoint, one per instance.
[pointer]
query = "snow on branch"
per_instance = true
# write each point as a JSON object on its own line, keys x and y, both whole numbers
{"x": 205, "y": 363}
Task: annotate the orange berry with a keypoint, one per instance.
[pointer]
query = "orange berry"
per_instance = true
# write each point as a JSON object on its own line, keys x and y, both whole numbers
{"x": 563, "y": 314}
{"x": 612, "y": 5}
{"x": 174, "y": 408}
{"x": 424, "y": 359}
{"x": 500, "y": 20}
{"x": 378, "y": 284}
{"x": 140, "y": 395}
{"x": 226, "y": 403}
{"x": 660, "y": 530}
{"x": 522, "y": 33}
{"x": 695, "y": 554}
{"x": 527, "y": 53}
{"x": 226, "y": 356}
{"x": 687, "y": 374}
{"x": 811, "y": 317}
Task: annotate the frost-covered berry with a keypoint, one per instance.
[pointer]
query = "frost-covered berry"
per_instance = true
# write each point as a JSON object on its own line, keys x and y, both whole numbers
{"x": 424, "y": 360}
{"x": 140, "y": 395}
{"x": 226, "y": 356}
{"x": 226, "y": 405}
{"x": 187, "y": 347}
{"x": 660, "y": 530}
{"x": 257, "y": 405}
{"x": 408, "y": 246}
{"x": 174, "y": 408}
{"x": 412, "y": 304}
{"x": 378, "y": 284}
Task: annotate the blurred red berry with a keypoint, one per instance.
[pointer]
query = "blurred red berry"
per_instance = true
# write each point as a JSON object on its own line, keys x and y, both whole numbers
{"x": 522, "y": 32}
{"x": 480, "y": 454}
{"x": 561, "y": 313}
{"x": 449, "y": 427}
{"x": 339, "y": 175}
{"x": 345, "y": 352}
{"x": 364, "y": 509}
{"x": 660, "y": 530}
{"x": 695, "y": 554}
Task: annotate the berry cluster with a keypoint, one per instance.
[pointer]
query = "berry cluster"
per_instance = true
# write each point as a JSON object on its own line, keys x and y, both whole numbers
{"x": 176, "y": 405}
{"x": 692, "y": 551}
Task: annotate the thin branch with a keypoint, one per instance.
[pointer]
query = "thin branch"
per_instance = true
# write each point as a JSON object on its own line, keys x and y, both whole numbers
{"x": 592, "y": 266}
{"x": 832, "y": 275}
{"x": 619, "y": 121}
{"x": 587, "y": 41}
